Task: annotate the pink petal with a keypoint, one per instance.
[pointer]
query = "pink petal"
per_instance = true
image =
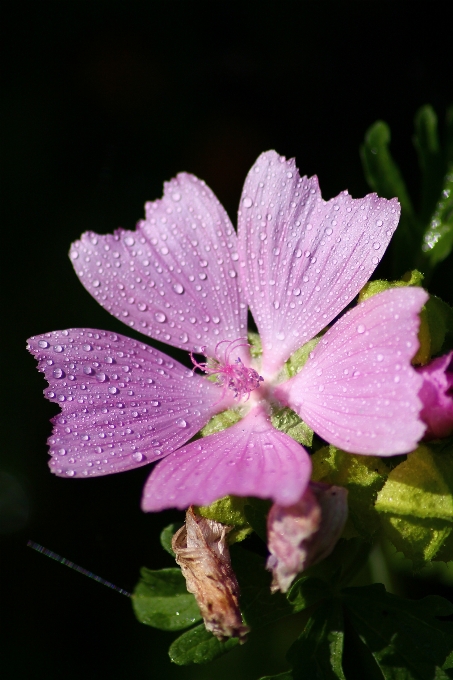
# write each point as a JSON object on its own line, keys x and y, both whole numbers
{"x": 123, "y": 403}
{"x": 251, "y": 458}
{"x": 304, "y": 259}
{"x": 175, "y": 277}
{"x": 358, "y": 389}
{"x": 437, "y": 396}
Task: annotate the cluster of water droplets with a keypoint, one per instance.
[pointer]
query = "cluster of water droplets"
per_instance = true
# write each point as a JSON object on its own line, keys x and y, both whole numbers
{"x": 174, "y": 278}
{"x": 305, "y": 258}
{"x": 123, "y": 403}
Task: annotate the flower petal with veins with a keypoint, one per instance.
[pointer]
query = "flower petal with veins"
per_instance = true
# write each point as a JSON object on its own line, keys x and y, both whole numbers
{"x": 358, "y": 390}
{"x": 175, "y": 277}
{"x": 304, "y": 259}
{"x": 124, "y": 404}
{"x": 250, "y": 458}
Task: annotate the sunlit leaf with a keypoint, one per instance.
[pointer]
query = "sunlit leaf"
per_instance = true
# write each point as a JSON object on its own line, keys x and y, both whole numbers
{"x": 198, "y": 646}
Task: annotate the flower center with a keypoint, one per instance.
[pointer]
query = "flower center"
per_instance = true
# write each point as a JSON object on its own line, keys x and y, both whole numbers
{"x": 231, "y": 374}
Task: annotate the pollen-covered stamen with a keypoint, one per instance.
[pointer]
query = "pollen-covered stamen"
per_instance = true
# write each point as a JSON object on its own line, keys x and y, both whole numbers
{"x": 233, "y": 375}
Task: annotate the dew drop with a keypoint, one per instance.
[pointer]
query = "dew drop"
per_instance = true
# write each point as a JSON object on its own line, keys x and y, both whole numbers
{"x": 376, "y": 245}
{"x": 361, "y": 328}
{"x": 247, "y": 202}
{"x": 176, "y": 196}
{"x": 142, "y": 306}
{"x": 101, "y": 377}
{"x": 43, "y": 344}
{"x": 87, "y": 348}
{"x": 181, "y": 422}
{"x": 178, "y": 288}
{"x": 96, "y": 283}
{"x": 129, "y": 241}
{"x": 58, "y": 373}
{"x": 113, "y": 390}
{"x": 58, "y": 348}
{"x": 160, "y": 317}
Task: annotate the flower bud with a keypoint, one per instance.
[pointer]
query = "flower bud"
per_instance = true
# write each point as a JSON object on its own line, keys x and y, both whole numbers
{"x": 302, "y": 534}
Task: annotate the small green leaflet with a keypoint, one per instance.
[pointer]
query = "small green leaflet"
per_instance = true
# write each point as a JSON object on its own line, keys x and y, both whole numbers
{"x": 161, "y": 600}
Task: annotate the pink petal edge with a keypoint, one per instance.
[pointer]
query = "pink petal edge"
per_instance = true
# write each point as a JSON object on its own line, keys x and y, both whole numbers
{"x": 124, "y": 404}
{"x": 175, "y": 277}
{"x": 436, "y": 394}
{"x": 358, "y": 389}
{"x": 250, "y": 458}
{"x": 304, "y": 259}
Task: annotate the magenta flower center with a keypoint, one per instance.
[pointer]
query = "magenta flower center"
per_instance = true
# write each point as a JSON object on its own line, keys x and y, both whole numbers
{"x": 231, "y": 373}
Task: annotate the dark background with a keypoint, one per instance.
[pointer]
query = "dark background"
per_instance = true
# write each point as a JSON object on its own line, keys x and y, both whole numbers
{"x": 102, "y": 102}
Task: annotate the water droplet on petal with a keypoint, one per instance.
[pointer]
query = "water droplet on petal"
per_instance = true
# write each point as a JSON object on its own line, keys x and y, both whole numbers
{"x": 87, "y": 348}
{"x": 113, "y": 390}
{"x": 58, "y": 373}
{"x": 58, "y": 348}
{"x": 160, "y": 317}
{"x": 178, "y": 288}
{"x": 181, "y": 422}
{"x": 129, "y": 241}
{"x": 43, "y": 344}
{"x": 176, "y": 196}
{"x": 361, "y": 328}
{"x": 247, "y": 202}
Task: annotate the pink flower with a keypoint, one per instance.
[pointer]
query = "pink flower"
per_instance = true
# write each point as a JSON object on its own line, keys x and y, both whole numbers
{"x": 185, "y": 278}
{"x": 436, "y": 395}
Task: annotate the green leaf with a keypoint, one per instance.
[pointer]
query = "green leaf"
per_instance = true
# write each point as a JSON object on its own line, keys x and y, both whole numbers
{"x": 220, "y": 422}
{"x": 438, "y": 237}
{"x": 416, "y": 504}
{"x": 256, "y": 511}
{"x": 166, "y": 535}
{"x": 281, "y": 676}
{"x": 161, "y": 600}
{"x": 363, "y": 476}
{"x": 440, "y": 323}
{"x": 406, "y": 637}
{"x": 426, "y": 142}
{"x": 198, "y": 646}
{"x": 258, "y": 605}
{"x": 318, "y": 652}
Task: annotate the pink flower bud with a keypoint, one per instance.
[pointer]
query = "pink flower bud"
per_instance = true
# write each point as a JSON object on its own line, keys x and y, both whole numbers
{"x": 304, "y": 533}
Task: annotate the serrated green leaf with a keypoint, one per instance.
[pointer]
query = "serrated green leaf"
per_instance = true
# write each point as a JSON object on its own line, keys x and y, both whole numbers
{"x": 166, "y": 535}
{"x": 318, "y": 652}
{"x": 426, "y": 142}
{"x": 198, "y": 646}
{"x": 160, "y": 599}
{"x": 406, "y": 637}
{"x": 258, "y": 605}
{"x": 363, "y": 476}
{"x": 416, "y": 504}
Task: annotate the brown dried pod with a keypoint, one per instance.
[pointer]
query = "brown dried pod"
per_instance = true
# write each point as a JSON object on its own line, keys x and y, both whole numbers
{"x": 201, "y": 550}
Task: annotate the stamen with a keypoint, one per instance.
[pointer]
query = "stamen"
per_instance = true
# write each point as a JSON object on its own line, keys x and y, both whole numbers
{"x": 231, "y": 375}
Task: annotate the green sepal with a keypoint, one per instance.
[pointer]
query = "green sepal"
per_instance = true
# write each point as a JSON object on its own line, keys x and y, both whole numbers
{"x": 259, "y": 607}
{"x": 160, "y": 599}
{"x": 198, "y": 646}
{"x": 228, "y": 510}
{"x": 289, "y": 422}
{"x": 363, "y": 476}
{"x": 220, "y": 422}
{"x": 410, "y": 278}
{"x": 318, "y": 652}
{"x": 406, "y": 638}
{"x": 300, "y": 356}
{"x": 166, "y": 535}
{"x": 416, "y": 505}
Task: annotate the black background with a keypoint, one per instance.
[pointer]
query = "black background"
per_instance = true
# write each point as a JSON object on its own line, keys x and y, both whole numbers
{"x": 102, "y": 102}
